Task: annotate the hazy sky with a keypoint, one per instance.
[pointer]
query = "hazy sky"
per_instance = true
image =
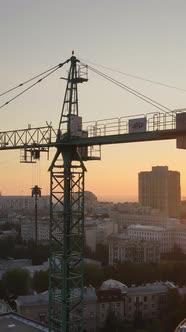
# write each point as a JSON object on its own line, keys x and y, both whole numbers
{"x": 144, "y": 38}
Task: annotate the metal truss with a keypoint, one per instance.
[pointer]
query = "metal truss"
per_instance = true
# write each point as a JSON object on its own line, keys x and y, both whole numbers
{"x": 18, "y": 139}
{"x": 66, "y": 242}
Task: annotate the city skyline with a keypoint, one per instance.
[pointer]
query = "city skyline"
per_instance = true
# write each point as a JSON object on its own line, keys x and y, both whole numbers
{"x": 124, "y": 197}
{"x": 37, "y": 35}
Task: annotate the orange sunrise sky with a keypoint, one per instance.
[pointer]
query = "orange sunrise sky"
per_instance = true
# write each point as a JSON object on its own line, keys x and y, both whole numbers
{"x": 142, "y": 38}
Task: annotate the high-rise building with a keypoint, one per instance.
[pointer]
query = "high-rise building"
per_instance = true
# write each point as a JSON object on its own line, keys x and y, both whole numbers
{"x": 160, "y": 188}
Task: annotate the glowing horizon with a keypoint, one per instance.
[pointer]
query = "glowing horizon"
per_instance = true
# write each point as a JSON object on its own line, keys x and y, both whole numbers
{"x": 128, "y": 40}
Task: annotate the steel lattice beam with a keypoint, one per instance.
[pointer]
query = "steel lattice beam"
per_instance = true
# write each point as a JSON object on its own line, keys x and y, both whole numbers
{"x": 66, "y": 243}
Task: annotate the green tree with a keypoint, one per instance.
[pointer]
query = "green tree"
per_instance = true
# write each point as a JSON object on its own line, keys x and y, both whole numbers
{"x": 153, "y": 325}
{"x": 40, "y": 281}
{"x": 102, "y": 253}
{"x": 93, "y": 275}
{"x": 174, "y": 312}
{"x": 114, "y": 323}
{"x": 38, "y": 254}
{"x": 16, "y": 282}
{"x": 7, "y": 247}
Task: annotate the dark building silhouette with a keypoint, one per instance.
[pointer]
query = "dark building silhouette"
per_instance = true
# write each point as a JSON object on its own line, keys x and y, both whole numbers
{"x": 160, "y": 188}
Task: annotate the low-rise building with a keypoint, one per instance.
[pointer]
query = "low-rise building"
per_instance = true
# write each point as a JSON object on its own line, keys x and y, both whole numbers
{"x": 122, "y": 249}
{"x": 17, "y": 323}
{"x": 180, "y": 237}
{"x": 28, "y": 231}
{"x": 146, "y": 301}
{"x": 23, "y": 203}
{"x": 36, "y": 307}
{"x": 90, "y": 309}
{"x": 164, "y": 236}
{"x": 12, "y": 233}
{"x": 97, "y": 232}
{"x": 33, "y": 306}
{"x": 124, "y": 219}
{"x": 109, "y": 300}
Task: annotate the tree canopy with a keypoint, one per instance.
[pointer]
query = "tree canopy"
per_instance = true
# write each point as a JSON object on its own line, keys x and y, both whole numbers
{"x": 40, "y": 281}
{"x": 16, "y": 282}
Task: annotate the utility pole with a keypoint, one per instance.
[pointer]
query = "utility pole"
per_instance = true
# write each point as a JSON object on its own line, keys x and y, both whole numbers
{"x": 36, "y": 192}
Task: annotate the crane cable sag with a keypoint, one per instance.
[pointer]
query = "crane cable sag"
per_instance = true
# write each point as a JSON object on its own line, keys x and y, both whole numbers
{"x": 132, "y": 91}
{"x": 49, "y": 72}
{"x": 135, "y": 76}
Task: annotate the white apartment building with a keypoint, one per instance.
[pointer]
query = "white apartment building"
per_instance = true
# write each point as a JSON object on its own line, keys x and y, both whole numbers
{"x": 26, "y": 203}
{"x": 180, "y": 237}
{"x": 164, "y": 236}
{"x": 28, "y": 231}
{"x": 97, "y": 231}
{"x": 123, "y": 220}
{"x": 122, "y": 249}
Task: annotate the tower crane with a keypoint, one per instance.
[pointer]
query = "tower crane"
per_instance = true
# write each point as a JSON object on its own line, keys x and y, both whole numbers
{"x": 74, "y": 146}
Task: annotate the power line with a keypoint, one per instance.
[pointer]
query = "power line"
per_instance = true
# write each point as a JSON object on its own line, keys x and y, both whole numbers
{"x": 132, "y": 91}
{"x": 137, "y": 77}
{"x": 31, "y": 86}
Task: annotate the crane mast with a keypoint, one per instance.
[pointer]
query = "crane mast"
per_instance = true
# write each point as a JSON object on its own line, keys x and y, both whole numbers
{"x": 67, "y": 217}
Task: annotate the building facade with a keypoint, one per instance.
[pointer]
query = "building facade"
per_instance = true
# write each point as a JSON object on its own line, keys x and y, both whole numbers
{"x": 122, "y": 220}
{"x": 23, "y": 203}
{"x": 160, "y": 188}
{"x": 28, "y": 231}
{"x": 165, "y": 237}
{"x": 97, "y": 232}
{"x": 122, "y": 249}
{"x": 109, "y": 300}
{"x": 33, "y": 307}
{"x": 146, "y": 301}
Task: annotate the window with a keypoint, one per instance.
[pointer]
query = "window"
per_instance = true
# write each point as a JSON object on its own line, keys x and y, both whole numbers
{"x": 153, "y": 297}
{"x": 42, "y": 317}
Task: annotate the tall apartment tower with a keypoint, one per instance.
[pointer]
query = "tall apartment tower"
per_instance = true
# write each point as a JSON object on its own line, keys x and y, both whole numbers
{"x": 160, "y": 188}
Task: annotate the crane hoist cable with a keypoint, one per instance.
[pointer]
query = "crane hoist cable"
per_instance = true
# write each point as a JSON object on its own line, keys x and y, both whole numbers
{"x": 135, "y": 76}
{"x": 32, "y": 85}
{"x": 134, "y": 92}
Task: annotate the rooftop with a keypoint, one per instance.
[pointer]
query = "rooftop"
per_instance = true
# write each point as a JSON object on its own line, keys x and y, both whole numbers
{"x": 112, "y": 284}
{"x": 12, "y": 321}
{"x": 41, "y": 298}
{"x": 156, "y": 287}
{"x": 146, "y": 227}
{"x": 123, "y": 236}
